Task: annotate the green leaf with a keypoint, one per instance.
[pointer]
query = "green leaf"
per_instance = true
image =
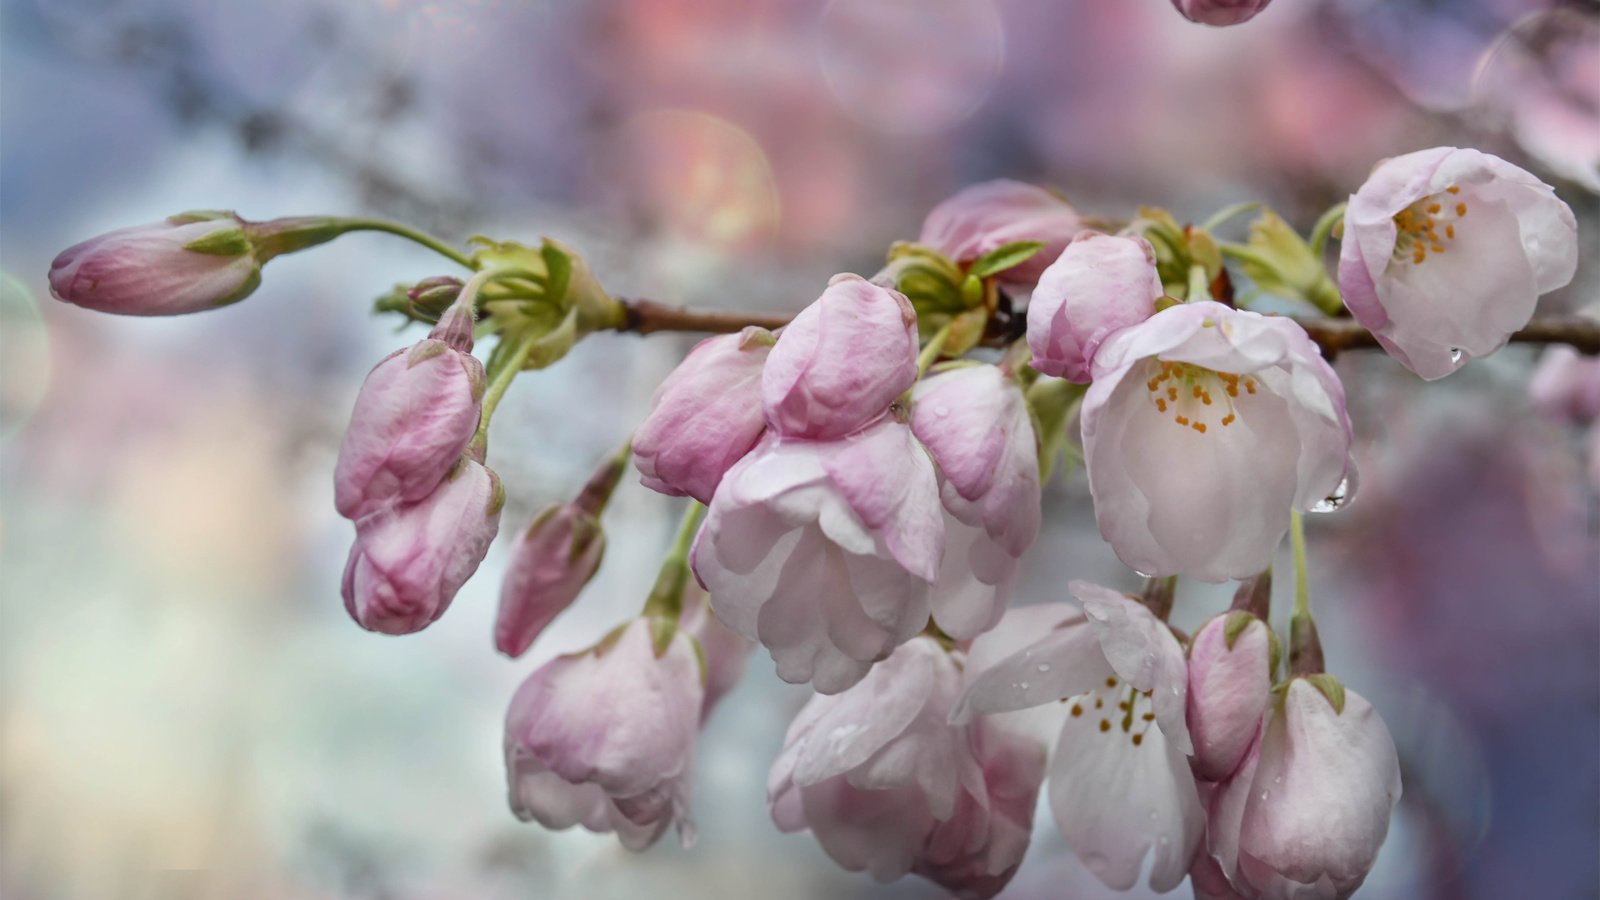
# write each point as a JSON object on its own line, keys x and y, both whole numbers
{"x": 555, "y": 343}
{"x": 1004, "y": 257}
{"x": 558, "y": 271}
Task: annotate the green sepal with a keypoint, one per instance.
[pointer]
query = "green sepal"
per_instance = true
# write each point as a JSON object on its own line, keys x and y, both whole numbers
{"x": 244, "y": 290}
{"x": 966, "y": 330}
{"x": 422, "y": 351}
{"x": 662, "y": 630}
{"x": 1051, "y": 402}
{"x": 1235, "y": 624}
{"x": 1330, "y": 688}
{"x": 1006, "y": 256}
{"x": 555, "y": 343}
{"x": 222, "y": 242}
{"x": 558, "y": 270}
{"x": 200, "y": 215}
{"x": 1282, "y": 263}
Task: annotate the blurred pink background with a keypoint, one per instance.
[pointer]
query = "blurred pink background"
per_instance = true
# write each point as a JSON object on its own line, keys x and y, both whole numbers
{"x": 188, "y": 712}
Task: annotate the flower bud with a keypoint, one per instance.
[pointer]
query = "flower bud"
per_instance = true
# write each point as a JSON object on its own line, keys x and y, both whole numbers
{"x": 415, "y": 415}
{"x": 409, "y": 561}
{"x": 985, "y": 217}
{"x": 1219, "y": 12}
{"x": 841, "y": 362}
{"x": 430, "y": 297}
{"x": 558, "y": 554}
{"x": 1230, "y": 682}
{"x": 1100, "y": 284}
{"x": 183, "y": 264}
{"x": 705, "y": 416}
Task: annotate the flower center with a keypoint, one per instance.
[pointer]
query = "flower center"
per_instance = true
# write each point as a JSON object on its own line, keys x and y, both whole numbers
{"x": 1428, "y": 225}
{"x": 1132, "y": 723}
{"x": 1196, "y": 397}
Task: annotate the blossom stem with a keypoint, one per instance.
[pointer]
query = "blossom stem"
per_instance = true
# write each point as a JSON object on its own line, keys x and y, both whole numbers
{"x": 934, "y": 347}
{"x": 596, "y": 494}
{"x": 1305, "y": 647}
{"x": 1297, "y": 540}
{"x": 1324, "y": 228}
{"x": 410, "y": 234}
{"x": 1199, "y": 284}
{"x": 505, "y": 365}
{"x": 666, "y": 598}
{"x": 1228, "y": 212}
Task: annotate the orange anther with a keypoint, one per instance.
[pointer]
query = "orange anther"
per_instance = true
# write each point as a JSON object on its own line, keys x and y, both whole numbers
{"x": 1200, "y": 427}
{"x": 1450, "y": 232}
{"x": 1227, "y": 420}
{"x": 1161, "y": 404}
{"x": 1172, "y": 393}
{"x": 1437, "y": 248}
{"x": 1182, "y": 420}
{"x": 1433, "y": 209}
{"x": 1461, "y": 209}
{"x": 1453, "y": 189}
{"x": 1250, "y": 386}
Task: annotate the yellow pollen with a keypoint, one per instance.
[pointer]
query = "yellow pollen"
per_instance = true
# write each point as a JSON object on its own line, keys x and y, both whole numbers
{"x": 1138, "y": 739}
{"x": 1099, "y": 703}
{"x": 1182, "y": 420}
{"x": 1227, "y": 420}
{"x": 1149, "y": 717}
{"x": 1152, "y": 384}
{"x": 1453, "y": 189}
{"x": 1250, "y": 387}
{"x": 1437, "y": 248}
{"x": 1077, "y": 709}
{"x": 1450, "y": 232}
{"x": 1172, "y": 393}
{"x": 1111, "y": 682}
{"x": 1200, "y": 427}
{"x": 1161, "y": 404}
{"x": 1105, "y": 724}
{"x": 1433, "y": 208}
{"x": 1461, "y": 210}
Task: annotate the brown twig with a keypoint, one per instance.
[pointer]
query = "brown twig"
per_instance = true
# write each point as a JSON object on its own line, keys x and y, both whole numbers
{"x": 1334, "y": 336}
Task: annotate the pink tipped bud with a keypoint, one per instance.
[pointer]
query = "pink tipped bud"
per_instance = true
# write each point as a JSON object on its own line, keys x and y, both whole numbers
{"x": 409, "y": 561}
{"x": 705, "y": 417}
{"x": 179, "y": 265}
{"x": 1230, "y": 683}
{"x": 1099, "y": 285}
{"x": 1220, "y": 12}
{"x": 985, "y": 217}
{"x": 557, "y": 555}
{"x": 841, "y": 362}
{"x": 414, "y": 417}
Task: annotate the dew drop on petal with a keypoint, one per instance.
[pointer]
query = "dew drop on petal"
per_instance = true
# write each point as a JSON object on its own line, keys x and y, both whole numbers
{"x": 941, "y": 410}
{"x": 1334, "y": 501}
{"x": 1044, "y": 667}
{"x": 1264, "y": 794}
{"x": 1023, "y": 685}
{"x": 1455, "y": 355}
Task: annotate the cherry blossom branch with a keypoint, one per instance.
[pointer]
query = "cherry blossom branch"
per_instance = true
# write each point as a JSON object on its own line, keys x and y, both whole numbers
{"x": 1334, "y": 336}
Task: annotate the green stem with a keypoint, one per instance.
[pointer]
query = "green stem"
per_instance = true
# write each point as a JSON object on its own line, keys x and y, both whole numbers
{"x": 1324, "y": 228}
{"x": 1199, "y": 285}
{"x": 1297, "y": 539}
{"x": 1228, "y": 212}
{"x": 410, "y": 234}
{"x": 666, "y": 598}
{"x": 1244, "y": 253}
{"x": 508, "y": 365}
{"x": 934, "y": 346}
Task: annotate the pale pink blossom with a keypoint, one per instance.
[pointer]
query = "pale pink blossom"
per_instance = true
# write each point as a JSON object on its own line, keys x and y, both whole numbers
{"x": 606, "y": 738}
{"x": 1308, "y": 810}
{"x": 1204, "y": 427}
{"x": 841, "y": 362}
{"x": 1446, "y": 252}
{"x": 416, "y": 413}
{"x": 705, "y": 416}
{"x": 984, "y": 217}
{"x": 409, "y": 560}
{"x": 824, "y": 551}
{"x": 1566, "y": 385}
{"x": 1230, "y": 682}
{"x": 974, "y": 421}
{"x": 1120, "y": 781}
{"x": 1101, "y": 283}
{"x": 889, "y": 786}
{"x": 722, "y": 649}
{"x": 1220, "y": 12}
{"x": 182, "y": 264}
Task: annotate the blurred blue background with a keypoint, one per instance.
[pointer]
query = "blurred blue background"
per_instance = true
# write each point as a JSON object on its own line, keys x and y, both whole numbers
{"x": 187, "y": 712}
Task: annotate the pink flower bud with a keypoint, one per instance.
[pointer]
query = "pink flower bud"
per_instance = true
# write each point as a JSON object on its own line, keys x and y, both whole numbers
{"x": 705, "y": 416}
{"x": 1204, "y": 427}
{"x": 409, "y": 561}
{"x": 183, "y": 264}
{"x": 1230, "y": 682}
{"x": 1446, "y": 251}
{"x": 556, "y": 557}
{"x": 1309, "y": 808}
{"x": 841, "y": 362}
{"x": 605, "y": 739}
{"x": 415, "y": 415}
{"x": 1100, "y": 284}
{"x": 889, "y": 786}
{"x": 1566, "y": 385}
{"x": 1219, "y": 12}
{"x": 985, "y": 217}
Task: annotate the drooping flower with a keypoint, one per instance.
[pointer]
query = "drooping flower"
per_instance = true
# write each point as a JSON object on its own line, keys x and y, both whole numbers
{"x": 1120, "y": 782}
{"x": 841, "y": 362}
{"x": 889, "y": 786}
{"x": 1446, "y": 251}
{"x": 1230, "y": 682}
{"x": 1204, "y": 427}
{"x": 606, "y": 738}
{"x": 705, "y": 416}
{"x": 985, "y": 217}
{"x": 1309, "y": 808}
{"x": 974, "y": 422}
{"x": 183, "y": 264}
{"x": 558, "y": 554}
{"x": 1101, "y": 283}
{"x": 824, "y": 550}
{"x": 409, "y": 560}
{"x": 416, "y": 413}
{"x": 1219, "y": 12}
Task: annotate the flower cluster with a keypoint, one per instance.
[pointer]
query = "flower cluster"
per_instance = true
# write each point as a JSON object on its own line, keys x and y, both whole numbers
{"x": 871, "y": 481}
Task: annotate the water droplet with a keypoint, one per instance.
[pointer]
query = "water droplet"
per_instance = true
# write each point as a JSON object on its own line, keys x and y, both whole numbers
{"x": 1142, "y": 574}
{"x": 1455, "y": 355}
{"x": 941, "y": 410}
{"x": 1264, "y": 794}
{"x": 1336, "y": 500}
{"x": 1177, "y": 689}
{"x": 1044, "y": 667}
{"x": 1278, "y": 780}
{"x": 1154, "y": 815}
{"x": 1165, "y": 840}
{"x": 1023, "y": 685}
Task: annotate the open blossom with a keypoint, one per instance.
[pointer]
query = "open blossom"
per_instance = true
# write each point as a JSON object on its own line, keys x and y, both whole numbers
{"x": 1204, "y": 427}
{"x": 889, "y": 786}
{"x": 705, "y": 415}
{"x": 415, "y": 415}
{"x": 1308, "y": 810}
{"x": 1230, "y": 682}
{"x": 409, "y": 560}
{"x": 1446, "y": 251}
{"x": 840, "y": 363}
{"x": 182, "y": 264}
{"x": 986, "y": 216}
{"x": 1220, "y": 12}
{"x": 974, "y": 421}
{"x": 605, "y": 738}
{"x": 1120, "y": 782}
{"x": 1101, "y": 283}
{"x": 824, "y": 550}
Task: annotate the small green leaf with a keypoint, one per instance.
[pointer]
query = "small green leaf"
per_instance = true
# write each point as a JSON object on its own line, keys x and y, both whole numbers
{"x": 558, "y": 269}
{"x": 1004, "y": 257}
